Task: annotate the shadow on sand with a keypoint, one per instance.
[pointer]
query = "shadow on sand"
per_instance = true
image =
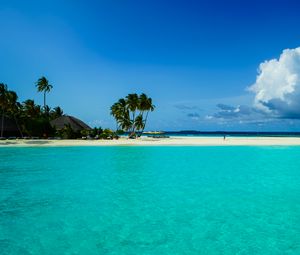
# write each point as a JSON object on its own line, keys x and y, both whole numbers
{"x": 36, "y": 142}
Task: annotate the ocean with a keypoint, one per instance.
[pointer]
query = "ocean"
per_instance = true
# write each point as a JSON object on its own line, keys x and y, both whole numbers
{"x": 150, "y": 200}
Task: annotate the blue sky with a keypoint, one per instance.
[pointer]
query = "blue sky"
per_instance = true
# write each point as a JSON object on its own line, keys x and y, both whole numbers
{"x": 196, "y": 59}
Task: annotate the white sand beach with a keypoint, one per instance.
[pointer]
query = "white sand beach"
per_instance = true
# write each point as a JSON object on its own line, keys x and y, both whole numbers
{"x": 172, "y": 141}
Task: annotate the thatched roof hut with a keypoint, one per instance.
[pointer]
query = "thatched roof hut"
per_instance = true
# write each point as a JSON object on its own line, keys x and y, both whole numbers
{"x": 76, "y": 124}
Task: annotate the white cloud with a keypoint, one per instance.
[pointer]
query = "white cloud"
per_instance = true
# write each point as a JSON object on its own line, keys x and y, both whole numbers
{"x": 98, "y": 123}
{"x": 277, "y": 86}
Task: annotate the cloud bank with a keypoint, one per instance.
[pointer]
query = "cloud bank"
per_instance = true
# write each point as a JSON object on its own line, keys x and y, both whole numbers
{"x": 277, "y": 86}
{"x": 276, "y": 93}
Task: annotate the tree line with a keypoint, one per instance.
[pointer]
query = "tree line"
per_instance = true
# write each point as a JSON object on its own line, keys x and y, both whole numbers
{"x": 31, "y": 119}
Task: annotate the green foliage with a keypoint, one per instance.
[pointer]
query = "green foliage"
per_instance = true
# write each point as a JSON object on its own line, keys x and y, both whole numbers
{"x": 84, "y": 132}
{"x": 139, "y": 122}
{"x": 30, "y": 118}
{"x": 43, "y": 86}
{"x": 107, "y": 134}
{"x": 9, "y": 105}
{"x": 39, "y": 127}
{"x": 34, "y": 120}
{"x": 56, "y": 112}
{"x": 31, "y": 110}
{"x": 68, "y": 133}
{"x": 96, "y": 132}
{"x": 120, "y": 132}
{"x": 129, "y": 113}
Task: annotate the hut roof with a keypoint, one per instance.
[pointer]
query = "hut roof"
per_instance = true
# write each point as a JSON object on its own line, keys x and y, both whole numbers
{"x": 64, "y": 120}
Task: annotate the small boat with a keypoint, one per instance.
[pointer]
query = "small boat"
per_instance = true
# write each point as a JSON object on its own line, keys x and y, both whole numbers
{"x": 158, "y": 136}
{"x": 153, "y": 132}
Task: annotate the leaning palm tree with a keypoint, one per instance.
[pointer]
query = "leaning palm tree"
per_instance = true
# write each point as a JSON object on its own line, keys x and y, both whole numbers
{"x": 114, "y": 111}
{"x": 149, "y": 107}
{"x": 43, "y": 86}
{"x": 121, "y": 114}
{"x": 139, "y": 123}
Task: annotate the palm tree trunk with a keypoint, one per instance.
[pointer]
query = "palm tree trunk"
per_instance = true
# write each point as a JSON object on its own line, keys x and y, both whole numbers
{"x": 44, "y": 100}
{"x": 118, "y": 126}
{"x": 18, "y": 126}
{"x": 140, "y": 134}
{"x": 133, "y": 124}
{"x": 2, "y": 123}
{"x": 145, "y": 122}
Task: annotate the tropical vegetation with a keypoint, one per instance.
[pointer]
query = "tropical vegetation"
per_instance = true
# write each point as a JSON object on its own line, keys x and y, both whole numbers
{"x": 43, "y": 86}
{"x": 33, "y": 120}
{"x": 131, "y": 113}
{"x": 30, "y": 118}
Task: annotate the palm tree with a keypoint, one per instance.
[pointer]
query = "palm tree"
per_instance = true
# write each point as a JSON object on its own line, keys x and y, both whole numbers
{"x": 125, "y": 112}
{"x": 11, "y": 101}
{"x": 148, "y": 106}
{"x": 30, "y": 109}
{"x": 143, "y": 103}
{"x": 114, "y": 111}
{"x": 47, "y": 110}
{"x": 3, "y": 103}
{"x": 9, "y": 105}
{"x": 132, "y": 102}
{"x": 13, "y": 107}
{"x": 139, "y": 123}
{"x": 43, "y": 86}
{"x": 121, "y": 114}
{"x": 56, "y": 112}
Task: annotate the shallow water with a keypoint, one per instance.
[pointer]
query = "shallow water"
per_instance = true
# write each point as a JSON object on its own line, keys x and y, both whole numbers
{"x": 150, "y": 200}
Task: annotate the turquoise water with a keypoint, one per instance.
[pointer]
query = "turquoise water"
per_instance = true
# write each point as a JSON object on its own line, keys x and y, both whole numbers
{"x": 150, "y": 200}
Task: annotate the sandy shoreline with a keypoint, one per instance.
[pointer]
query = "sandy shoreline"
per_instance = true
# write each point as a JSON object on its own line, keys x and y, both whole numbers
{"x": 172, "y": 141}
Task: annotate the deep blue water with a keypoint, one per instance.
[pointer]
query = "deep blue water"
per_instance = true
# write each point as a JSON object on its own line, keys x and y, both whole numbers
{"x": 150, "y": 200}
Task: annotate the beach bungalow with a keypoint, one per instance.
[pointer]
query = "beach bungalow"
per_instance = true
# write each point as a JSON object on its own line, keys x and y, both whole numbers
{"x": 76, "y": 124}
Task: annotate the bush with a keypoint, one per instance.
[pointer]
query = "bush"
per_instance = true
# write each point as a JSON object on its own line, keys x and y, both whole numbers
{"x": 38, "y": 127}
{"x": 107, "y": 134}
{"x": 68, "y": 133}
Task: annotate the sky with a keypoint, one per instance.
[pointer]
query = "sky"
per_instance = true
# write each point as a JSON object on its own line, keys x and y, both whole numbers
{"x": 208, "y": 65}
